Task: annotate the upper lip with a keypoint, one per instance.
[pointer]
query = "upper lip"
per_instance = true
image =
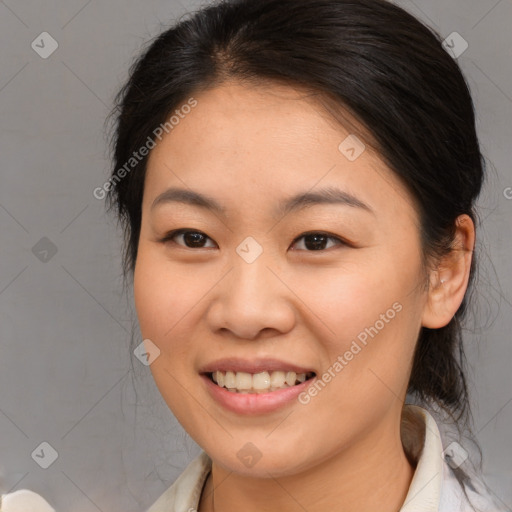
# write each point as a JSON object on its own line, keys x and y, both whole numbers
{"x": 234, "y": 364}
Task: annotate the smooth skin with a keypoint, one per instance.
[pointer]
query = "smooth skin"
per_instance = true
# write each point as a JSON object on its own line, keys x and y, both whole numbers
{"x": 249, "y": 148}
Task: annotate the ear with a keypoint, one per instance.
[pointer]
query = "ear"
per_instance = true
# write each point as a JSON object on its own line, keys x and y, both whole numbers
{"x": 449, "y": 281}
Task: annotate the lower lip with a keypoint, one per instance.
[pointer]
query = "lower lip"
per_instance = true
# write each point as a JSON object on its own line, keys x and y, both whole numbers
{"x": 254, "y": 403}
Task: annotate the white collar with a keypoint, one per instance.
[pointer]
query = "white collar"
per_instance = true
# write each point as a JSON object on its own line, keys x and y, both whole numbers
{"x": 425, "y": 489}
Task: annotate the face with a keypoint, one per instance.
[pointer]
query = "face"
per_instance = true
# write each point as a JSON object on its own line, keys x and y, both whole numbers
{"x": 330, "y": 291}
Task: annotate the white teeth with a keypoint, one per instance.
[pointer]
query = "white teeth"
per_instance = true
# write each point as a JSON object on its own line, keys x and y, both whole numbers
{"x": 220, "y": 378}
{"x": 277, "y": 379}
{"x": 263, "y": 382}
{"x": 291, "y": 377}
{"x": 229, "y": 380}
{"x": 243, "y": 380}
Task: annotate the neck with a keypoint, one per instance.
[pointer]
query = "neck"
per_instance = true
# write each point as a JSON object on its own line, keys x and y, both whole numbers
{"x": 373, "y": 474}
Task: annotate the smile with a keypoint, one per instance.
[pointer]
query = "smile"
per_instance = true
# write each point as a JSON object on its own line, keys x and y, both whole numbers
{"x": 262, "y": 382}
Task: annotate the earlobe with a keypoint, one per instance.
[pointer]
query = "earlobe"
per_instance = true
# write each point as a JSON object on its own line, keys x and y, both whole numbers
{"x": 449, "y": 281}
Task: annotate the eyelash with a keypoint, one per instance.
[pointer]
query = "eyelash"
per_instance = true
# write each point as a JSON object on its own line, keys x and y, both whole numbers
{"x": 168, "y": 238}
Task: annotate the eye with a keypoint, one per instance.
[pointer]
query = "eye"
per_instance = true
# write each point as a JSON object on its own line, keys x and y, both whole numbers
{"x": 194, "y": 238}
{"x": 316, "y": 240}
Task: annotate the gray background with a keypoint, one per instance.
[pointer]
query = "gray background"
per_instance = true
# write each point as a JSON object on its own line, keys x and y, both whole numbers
{"x": 65, "y": 372}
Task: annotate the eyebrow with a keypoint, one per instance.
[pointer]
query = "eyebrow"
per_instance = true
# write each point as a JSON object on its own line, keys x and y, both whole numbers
{"x": 328, "y": 195}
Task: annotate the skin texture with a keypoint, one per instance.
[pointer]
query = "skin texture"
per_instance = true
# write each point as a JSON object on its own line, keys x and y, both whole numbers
{"x": 249, "y": 148}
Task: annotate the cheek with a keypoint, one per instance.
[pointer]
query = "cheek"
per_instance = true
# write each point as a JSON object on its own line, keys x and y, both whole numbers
{"x": 161, "y": 303}
{"x": 163, "y": 294}
{"x": 343, "y": 302}
{"x": 369, "y": 317}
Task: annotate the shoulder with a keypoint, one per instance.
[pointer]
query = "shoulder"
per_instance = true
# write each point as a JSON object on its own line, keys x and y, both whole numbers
{"x": 185, "y": 492}
{"x": 440, "y": 483}
{"x": 23, "y": 500}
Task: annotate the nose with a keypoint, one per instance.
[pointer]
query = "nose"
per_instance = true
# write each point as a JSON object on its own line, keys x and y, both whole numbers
{"x": 252, "y": 301}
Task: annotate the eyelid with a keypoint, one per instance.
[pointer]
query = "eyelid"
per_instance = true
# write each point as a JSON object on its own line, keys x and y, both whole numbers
{"x": 327, "y": 235}
{"x": 167, "y": 238}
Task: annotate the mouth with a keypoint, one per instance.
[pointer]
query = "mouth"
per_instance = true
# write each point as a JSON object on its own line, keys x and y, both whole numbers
{"x": 258, "y": 383}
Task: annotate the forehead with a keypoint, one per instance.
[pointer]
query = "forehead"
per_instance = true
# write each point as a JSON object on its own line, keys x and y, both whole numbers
{"x": 260, "y": 143}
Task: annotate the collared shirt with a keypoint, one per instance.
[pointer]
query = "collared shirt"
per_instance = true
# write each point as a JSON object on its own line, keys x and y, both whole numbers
{"x": 434, "y": 487}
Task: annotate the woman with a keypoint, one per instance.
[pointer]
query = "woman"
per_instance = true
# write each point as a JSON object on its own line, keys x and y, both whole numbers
{"x": 297, "y": 180}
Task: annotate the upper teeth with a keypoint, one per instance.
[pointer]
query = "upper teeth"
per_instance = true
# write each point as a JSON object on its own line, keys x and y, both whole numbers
{"x": 262, "y": 382}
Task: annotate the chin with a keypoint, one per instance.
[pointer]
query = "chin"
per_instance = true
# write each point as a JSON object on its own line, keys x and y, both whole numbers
{"x": 260, "y": 460}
